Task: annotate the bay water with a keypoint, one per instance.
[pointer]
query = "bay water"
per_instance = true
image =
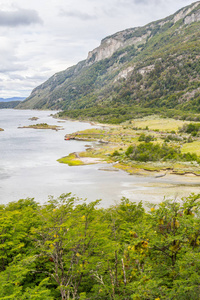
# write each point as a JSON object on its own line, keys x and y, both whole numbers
{"x": 29, "y": 167}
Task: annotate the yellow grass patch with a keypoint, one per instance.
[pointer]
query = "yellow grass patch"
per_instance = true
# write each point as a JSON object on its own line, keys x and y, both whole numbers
{"x": 161, "y": 124}
{"x": 70, "y": 160}
{"x": 193, "y": 147}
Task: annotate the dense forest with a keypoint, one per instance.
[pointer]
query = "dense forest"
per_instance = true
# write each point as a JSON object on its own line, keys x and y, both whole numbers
{"x": 71, "y": 249}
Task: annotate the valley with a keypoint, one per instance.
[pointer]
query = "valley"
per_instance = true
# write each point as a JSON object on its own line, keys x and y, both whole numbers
{"x": 100, "y": 164}
{"x": 100, "y": 197}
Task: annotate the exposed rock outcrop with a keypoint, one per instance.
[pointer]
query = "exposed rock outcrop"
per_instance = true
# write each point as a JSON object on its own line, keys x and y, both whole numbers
{"x": 130, "y": 36}
{"x": 185, "y": 14}
{"x": 111, "y": 44}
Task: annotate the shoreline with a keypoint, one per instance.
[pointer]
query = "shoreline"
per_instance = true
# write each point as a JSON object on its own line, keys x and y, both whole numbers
{"x": 116, "y": 138}
{"x": 112, "y": 186}
{"x": 84, "y": 158}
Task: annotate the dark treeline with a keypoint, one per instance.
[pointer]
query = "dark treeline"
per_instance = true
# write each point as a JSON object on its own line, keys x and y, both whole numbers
{"x": 10, "y": 104}
{"x": 68, "y": 249}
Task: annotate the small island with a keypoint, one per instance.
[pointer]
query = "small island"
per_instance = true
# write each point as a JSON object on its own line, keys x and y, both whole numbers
{"x": 1, "y": 129}
{"x": 33, "y": 119}
{"x": 43, "y": 126}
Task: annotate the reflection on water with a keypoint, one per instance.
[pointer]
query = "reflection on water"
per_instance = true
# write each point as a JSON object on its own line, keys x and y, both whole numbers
{"x": 28, "y": 166}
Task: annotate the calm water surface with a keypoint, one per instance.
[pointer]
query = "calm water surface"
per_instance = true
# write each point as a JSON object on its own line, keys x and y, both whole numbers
{"x": 29, "y": 167}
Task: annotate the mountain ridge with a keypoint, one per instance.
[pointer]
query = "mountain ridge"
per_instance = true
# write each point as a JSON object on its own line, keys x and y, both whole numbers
{"x": 118, "y": 74}
{"x": 10, "y": 102}
{"x": 12, "y": 99}
{"x": 181, "y": 14}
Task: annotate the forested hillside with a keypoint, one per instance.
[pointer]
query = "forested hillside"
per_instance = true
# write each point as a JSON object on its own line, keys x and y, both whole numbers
{"x": 142, "y": 70}
{"x": 68, "y": 249}
{"x": 10, "y": 104}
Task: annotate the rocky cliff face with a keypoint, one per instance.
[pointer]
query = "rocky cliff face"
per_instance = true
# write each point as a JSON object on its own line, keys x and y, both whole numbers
{"x": 111, "y": 44}
{"x": 187, "y": 14}
{"x": 130, "y": 36}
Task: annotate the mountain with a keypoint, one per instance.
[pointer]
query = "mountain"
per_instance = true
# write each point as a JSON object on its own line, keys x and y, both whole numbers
{"x": 142, "y": 70}
{"x": 12, "y": 99}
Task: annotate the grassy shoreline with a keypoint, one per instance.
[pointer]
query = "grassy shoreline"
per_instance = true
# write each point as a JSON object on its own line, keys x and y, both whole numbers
{"x": 110, "y": 139}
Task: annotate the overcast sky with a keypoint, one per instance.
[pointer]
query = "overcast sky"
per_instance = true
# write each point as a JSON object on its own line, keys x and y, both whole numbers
{"x": 41, "y": 37}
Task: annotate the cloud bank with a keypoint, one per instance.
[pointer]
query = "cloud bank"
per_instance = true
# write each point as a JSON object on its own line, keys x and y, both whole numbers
{"x": 77, "y": 14}
{"x": 19, "y": 17}
{"x": 40, "y": 37}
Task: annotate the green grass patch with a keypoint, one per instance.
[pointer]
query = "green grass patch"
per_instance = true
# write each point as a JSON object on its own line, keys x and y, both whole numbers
{"x": 155, "y": 122}
{"x": 70, "y": 160}
{"x": 193, "y": 147}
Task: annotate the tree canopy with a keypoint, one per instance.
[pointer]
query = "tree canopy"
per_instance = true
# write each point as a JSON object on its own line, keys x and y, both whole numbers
{"x": 71, "y": 249}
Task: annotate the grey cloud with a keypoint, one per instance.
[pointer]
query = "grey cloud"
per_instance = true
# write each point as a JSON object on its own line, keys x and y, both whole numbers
{"x": 9, "y": 64}
{"x": 8, "y": 68}
{"x": 77, "y": 14}
{"x": 139, "y": 2}
{"x": 37, "y": 77}
{"x": 16, "y": 77}
{"x": 19, "y": 17}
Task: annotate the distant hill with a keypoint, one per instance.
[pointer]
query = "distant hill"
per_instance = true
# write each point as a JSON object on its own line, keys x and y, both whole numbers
{"x": 10, "y": 102}
{"x": 143, "y": 70}
{"x": 12, "y": 99}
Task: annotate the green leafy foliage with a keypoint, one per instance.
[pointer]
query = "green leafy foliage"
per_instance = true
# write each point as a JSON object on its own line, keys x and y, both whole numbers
{"x": 146, "y": 138}
{"x": 152, "y": 152}
{"x": 192, "y": 128}
{"x": 148, "y": 151}
{"x": 75, "y": 250}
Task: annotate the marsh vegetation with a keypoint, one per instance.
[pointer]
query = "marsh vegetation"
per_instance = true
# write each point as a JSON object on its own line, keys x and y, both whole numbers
{"x": 150, "y": 144}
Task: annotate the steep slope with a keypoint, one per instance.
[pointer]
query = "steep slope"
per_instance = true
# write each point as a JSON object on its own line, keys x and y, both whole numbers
{"x": 136, "y": 70}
